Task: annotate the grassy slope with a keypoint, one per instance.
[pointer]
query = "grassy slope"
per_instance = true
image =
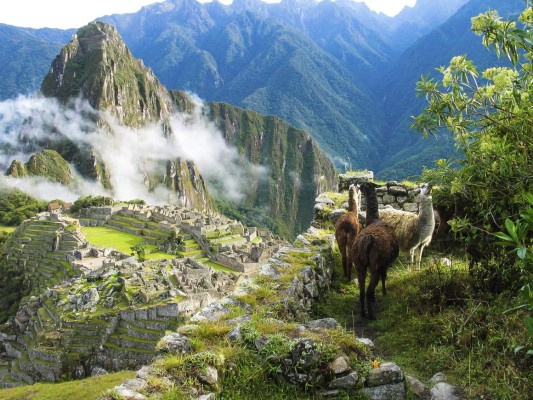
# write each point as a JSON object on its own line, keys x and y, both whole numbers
{"x": 85, "y": 389}
{"x": 431, "y": 321}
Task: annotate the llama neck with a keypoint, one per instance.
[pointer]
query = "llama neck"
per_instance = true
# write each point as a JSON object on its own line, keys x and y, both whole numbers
{"x": 372, "y": 209}
{"x": 352, "y": 205}
{"x": 426, "y": 217}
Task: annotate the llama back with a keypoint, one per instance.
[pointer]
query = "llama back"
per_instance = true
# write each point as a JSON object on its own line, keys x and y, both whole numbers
{"x": 376, "y": 233}
{"x": 404, "y": 225}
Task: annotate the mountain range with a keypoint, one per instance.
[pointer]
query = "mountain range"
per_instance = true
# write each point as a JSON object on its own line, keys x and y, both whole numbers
{"x": 337, "y": 70}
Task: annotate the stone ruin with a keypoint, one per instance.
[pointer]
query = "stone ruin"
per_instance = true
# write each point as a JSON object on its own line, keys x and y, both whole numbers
{"x": 94, "y": 309}
{"x": 223, "y": 240}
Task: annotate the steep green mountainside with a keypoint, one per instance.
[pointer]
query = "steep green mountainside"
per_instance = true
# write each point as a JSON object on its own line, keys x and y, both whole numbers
{"x": 97, "y": 65}
{"x": 25, "y": 55}
{"x": 407, "y": 151}
{"x": 46, "y": 163}
{"x": 296, "y": 169}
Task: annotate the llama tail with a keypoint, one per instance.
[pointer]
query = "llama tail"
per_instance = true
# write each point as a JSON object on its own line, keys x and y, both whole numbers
{"x": 365, "y": 244}
{"x": 348, "y": 228}
{"x": 351, "y": 199}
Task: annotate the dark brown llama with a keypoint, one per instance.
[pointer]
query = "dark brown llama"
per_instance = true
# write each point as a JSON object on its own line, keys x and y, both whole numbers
{"x": 347, "y": 228}
{"x": 374, "y": 249}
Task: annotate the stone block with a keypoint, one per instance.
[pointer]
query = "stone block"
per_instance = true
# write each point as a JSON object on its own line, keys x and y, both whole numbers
{"x": 386, "y": 373}
{"x": 410, "y": 207}
{"x": 348, "y": 382}
{"x": 340, "y": 365}
{"x": 395, "y": 391}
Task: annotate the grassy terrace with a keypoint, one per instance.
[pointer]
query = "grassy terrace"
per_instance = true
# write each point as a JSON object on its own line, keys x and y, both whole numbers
{"x": 102, "y": 236}
{"x": 85, "y": 389}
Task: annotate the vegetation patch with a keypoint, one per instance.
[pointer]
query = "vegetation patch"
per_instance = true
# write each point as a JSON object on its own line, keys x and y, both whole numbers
{"x": 85, "y": 389}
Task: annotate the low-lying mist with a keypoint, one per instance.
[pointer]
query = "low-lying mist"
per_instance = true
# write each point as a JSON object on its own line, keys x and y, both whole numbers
{"x": 29, "y": 124}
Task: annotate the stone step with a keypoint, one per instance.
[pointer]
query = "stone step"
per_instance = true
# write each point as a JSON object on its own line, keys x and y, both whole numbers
{"x": 20, "y": 376}
{"x": 85, "y": 340}
{"x": 154, "y": 325}
{"x": 126, "y": 341}
{"x": 133, "y": 350}
{"x": 156, "y": 233}
{"x": 141, "y": 333}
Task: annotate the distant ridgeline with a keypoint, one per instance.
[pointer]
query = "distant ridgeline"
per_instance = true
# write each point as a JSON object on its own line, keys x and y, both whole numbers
{"x": 344, "y": 74}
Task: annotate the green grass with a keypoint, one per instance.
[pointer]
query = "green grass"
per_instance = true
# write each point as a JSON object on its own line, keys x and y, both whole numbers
{"x": 433, "y": 321}
{"x": 85, "y": 389}
{"x": 7, "y": 229}
{"x": 220, "y": 267}
{"x": 103, "y": 236}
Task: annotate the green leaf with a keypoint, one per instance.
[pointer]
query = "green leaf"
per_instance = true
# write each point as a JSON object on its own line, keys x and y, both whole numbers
{"x": 521, "y": 252}
{"x": 511, "y": 228}
{"x": 503, "y": 236}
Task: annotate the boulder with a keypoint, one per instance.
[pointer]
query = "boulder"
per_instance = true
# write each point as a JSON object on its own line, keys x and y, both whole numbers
{"x": 174, "y": 343}
{"x": 416, "y": 387}
{"x": 348, "y": 382}
{"x": 89, "y": 299}
{"x": 394, "y": 391}
{"x": 324, "y": 323}
{"x": 444, "y": 391}
{"x": 340, "y": 365}
{"x": 386, "y": 374}
{"x": 209, "y": 375}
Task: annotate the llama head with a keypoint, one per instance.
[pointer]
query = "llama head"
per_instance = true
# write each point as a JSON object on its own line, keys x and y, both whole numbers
{"x": 368, "y": 187}
{"x": 425, "y": 192}
{"x": 355, "y": 194}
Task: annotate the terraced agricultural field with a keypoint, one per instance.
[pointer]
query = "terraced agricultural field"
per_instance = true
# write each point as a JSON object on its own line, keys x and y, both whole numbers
{"x": 103, "y": 236}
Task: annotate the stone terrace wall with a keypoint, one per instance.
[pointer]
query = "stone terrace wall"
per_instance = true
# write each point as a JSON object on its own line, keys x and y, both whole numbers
{"x": 391, "y": 194}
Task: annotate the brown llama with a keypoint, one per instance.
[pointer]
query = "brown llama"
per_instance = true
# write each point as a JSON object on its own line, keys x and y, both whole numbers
{"x": 374, "y": 249}
{"x": 347, "y": 228}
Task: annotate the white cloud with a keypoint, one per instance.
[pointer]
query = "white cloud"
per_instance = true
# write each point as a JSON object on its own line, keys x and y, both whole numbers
{"x": 29, "y": 123}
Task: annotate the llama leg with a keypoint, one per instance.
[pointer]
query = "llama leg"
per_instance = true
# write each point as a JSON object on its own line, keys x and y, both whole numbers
{"x": 343, "y": 249}
{"x": 412, "y": 258}
{"x": 349, "y": 267}
{"x": 420, "y": 256}
{"x": 371, "y": 294}
{"x": 361, "y": 280}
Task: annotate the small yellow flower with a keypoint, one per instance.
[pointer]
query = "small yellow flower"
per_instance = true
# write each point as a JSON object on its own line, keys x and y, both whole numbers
{"x": 375, "y": 363}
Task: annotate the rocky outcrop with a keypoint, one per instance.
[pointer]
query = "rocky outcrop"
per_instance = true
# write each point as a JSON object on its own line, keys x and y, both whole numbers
{"x": 46, "y": 163}
{"x": 97, "y": 66}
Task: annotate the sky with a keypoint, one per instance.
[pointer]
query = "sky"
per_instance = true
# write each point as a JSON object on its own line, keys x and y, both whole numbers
{"x": 74, "y": 14}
